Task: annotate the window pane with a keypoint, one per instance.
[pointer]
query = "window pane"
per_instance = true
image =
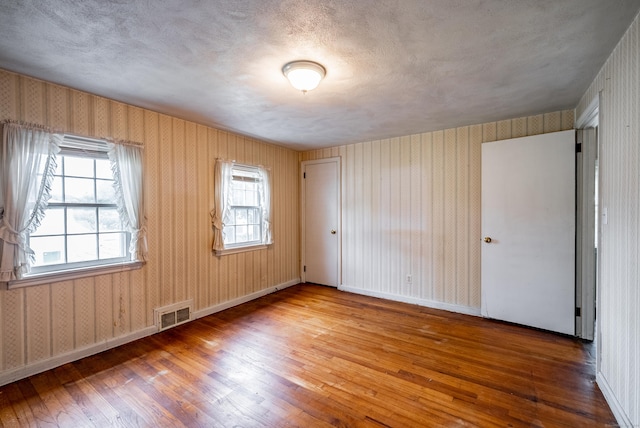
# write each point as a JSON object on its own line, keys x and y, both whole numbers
{"x": 52, "y": 223}
{"x": 109, "y": 220}
{"x": 254, "y": 233}
{"x": 78, "y": 167}
{"x": 241, "y": 216}
{"x": 241, "y": 234}
{"x": 237, "y": 193}
{"x": 79, "y": 190}
{"x": 251, "y": 198}
{"x": 103, "y": 169}
{"x": 229, "y": 235}
{"x": 82, "y": 248}
{"x": 56, "y": 190}
{"x": 112, "y": 245}
{"x": 105, "y": 191}
{"x": 81, "y": 220}
{"x": 49, "y": 250}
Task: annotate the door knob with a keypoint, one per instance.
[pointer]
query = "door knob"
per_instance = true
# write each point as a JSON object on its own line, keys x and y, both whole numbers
{"x": 487, "y": 239}
{"x": 333, "y": 232}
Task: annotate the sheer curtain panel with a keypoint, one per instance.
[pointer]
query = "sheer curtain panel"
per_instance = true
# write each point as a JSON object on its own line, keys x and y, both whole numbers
{"x": 222, "y": 195}
{"x": 126, "y": 164}
{"x": 265, "y": 203}
{"x": 27, "y": 165}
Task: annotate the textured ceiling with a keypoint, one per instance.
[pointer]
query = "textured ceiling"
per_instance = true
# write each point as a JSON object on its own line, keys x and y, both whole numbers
{"x": 393, "y": 67}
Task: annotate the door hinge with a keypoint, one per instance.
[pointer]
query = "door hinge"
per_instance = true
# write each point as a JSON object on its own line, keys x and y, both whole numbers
{"x": 579, "y": 148}
{"x": 304, "y": 175}
{"x": 304, "y": 269}
{"x": 578, "y": 312}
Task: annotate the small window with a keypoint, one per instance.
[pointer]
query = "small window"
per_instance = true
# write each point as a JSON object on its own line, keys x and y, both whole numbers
{"x": 242, "y": 213}
{"x": 81, "y": 225}
{"x": 243, "y": 225}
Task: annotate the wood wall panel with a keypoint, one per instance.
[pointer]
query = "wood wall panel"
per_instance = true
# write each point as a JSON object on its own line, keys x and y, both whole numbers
{"x": 33, "y": 101}
{"x": 119, "y": 121}
{"x": 62, "y": 315}
{"x": 79, "y": 113}
{"x": 202, "y": 218}
{"x": 45, "y": 321}
{"x": 57, "y": 107}
{"x": 104, "y": 304}
{"x": 191, "y": 191}
{"x": 38, "y": 321}
{"x": 139, "y": 305}
{"x": 85, "y": 319}
{"x": 178, "y": 201}
{"x": 617, "y": 85}
{"x": 13, "y": 326}
{"x": 411, "y": 206}
{"x": 102, "y": 112}
{"x": 135, "y": 128}
{"x": 475, "y": 190}
{"x": 152, "y": 199}
{"x": 9, "y": 87}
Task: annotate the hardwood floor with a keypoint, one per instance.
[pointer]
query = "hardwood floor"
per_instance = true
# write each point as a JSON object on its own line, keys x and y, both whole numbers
{"x": 313, "y": 356}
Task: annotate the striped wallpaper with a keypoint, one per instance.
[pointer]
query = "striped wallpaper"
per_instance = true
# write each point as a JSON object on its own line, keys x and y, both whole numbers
{"x": 59, "y": 320}
{"x": 411, "y": 206}
{"x": 619, "y": 302}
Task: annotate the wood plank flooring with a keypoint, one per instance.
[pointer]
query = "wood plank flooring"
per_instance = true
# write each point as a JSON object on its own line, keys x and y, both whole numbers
{"x": 313, "y": 356}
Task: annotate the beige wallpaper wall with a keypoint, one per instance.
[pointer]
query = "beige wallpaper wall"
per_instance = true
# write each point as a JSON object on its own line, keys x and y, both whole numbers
{"x": 41, "y": 323}
{"x": 411, "y": 206}
{"x": 619, "y": 83}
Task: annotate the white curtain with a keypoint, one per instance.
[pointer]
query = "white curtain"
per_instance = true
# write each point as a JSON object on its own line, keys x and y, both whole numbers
{"x": 222, "y": 200}
{"x": 27, "y": 165}
{"x": 126, "y": 164}
{"x": 265, "y": 203}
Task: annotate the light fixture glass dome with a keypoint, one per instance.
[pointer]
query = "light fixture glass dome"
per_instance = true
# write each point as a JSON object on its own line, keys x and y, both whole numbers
{"x": 304, "y": 75}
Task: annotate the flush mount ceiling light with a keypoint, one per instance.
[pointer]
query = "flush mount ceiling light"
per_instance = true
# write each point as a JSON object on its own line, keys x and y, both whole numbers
{"x": 304, "y": 75}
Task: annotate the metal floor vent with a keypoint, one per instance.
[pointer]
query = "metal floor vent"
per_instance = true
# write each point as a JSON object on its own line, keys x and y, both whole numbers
{"x": 173, "y": 315}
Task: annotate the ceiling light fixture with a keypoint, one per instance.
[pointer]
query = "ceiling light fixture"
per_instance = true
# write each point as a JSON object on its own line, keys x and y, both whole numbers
{"x": 304, "y": 75}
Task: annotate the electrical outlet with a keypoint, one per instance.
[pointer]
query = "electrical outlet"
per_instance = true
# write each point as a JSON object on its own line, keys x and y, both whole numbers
{"x": 408, "y": 279}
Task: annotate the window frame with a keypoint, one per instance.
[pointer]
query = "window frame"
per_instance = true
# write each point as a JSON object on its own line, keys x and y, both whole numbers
{"x": 232, "y": 248}
{"x": 76, "y": 146}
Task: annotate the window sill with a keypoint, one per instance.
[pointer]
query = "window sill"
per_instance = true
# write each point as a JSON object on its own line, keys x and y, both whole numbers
{"x": 236, "y": 250}
{"x": 68, "y": 275}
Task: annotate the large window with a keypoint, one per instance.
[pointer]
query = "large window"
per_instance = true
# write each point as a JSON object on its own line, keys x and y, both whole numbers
{"x": 68, "y": 204}
{"x": 241, "y": 218}
{"x": 81, "y": 225}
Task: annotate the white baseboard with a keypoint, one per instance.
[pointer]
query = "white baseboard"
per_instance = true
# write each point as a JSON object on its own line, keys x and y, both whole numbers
{"x": 244, "y": 299}
{"x": 53, "y": 362}
{"x": 76, "y": 354}
{"x": 616, "y": 408}
{"x": 467, "y": 310}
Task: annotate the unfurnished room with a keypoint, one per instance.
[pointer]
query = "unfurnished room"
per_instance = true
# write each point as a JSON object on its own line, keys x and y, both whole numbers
{"x": 384, "y": 213}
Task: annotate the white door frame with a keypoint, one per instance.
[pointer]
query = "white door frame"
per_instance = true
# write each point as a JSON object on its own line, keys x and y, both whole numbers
{"x": 591, "y": 118}
{"x": 585, "y": 233}
{"x": 303, "y": 200}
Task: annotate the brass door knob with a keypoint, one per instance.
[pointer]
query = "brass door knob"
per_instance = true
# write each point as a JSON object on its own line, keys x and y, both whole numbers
{"x": 333, "y": 232}
{"x": 487, "y": 239}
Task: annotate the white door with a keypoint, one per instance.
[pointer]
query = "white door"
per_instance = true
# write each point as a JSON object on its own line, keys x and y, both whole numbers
{"x": 528, "y": 226}
{"x": 321, "y": 221}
